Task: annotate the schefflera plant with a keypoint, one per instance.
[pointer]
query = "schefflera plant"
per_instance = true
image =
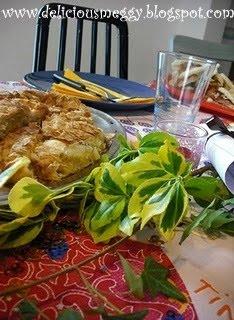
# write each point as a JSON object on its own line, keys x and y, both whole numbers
{"x": 149, "y": 187}
{"x": 150, "y": 181}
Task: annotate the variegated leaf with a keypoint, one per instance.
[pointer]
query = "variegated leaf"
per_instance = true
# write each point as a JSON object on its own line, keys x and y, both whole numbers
{"x": 173, "y": 161}
{"x": 28, "y": 197}
{"x": 145, "y": 166}
{"x": 109, "y": 184}
{"x": 106, "y": 213}
{"x": 142, "y": 194}
{"x": 154, "y": 140}
{"x": 175, "y": 211}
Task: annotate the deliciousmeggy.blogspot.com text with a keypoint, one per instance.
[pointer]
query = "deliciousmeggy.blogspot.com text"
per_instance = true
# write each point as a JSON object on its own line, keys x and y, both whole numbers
{"x": 129, "y": 14}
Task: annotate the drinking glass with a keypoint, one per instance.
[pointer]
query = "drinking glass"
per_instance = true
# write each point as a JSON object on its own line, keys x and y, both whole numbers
{"x": 191, "y": 138}
{"x": 181, "y": 83}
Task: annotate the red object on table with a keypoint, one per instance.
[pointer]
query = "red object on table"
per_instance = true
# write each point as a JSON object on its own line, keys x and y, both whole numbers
{"x": 105, "y": 274}
{"x": 218, "y": 109}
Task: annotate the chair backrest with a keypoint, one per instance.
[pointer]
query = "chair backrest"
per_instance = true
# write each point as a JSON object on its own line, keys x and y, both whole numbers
{"x": 42, "y": 35}
{"x": 202, "y": 48}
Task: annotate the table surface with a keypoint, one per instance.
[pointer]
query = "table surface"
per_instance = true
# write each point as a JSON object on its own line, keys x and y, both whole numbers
{"x": 202, "y": 268}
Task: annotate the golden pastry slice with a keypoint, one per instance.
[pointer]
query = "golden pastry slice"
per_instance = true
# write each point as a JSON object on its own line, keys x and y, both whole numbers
{"x": 55, "y": 132}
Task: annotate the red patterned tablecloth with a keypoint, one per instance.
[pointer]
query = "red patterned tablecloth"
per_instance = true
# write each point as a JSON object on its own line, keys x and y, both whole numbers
{"x": 105, "y": 274}
{"x": 201, "y": 268}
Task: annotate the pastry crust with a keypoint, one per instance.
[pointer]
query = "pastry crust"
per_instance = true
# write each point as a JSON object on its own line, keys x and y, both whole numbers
{"x": 54, "y": 131}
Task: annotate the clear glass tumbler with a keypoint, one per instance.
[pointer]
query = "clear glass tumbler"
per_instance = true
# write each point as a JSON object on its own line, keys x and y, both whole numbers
{"x": 191, "y": 138}
{"x": 181, "y": 83}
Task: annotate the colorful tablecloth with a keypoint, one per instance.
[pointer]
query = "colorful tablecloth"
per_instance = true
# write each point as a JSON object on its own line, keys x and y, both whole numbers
{"x": 201, "y": 268}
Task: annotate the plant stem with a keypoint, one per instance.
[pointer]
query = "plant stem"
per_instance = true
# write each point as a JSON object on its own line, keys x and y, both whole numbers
{"x": 73, "y": 267}
{"x": 198, "y": 172}
{"x": 93, "y": 290}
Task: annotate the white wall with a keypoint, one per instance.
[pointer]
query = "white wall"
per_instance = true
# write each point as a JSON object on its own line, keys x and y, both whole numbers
{"x": 146, "y": 36}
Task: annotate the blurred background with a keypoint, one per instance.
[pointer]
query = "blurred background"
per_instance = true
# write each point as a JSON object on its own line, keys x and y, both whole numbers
{"x": 146, "y": 36}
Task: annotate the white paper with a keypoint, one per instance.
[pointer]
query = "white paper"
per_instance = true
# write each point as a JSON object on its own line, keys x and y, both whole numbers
{"x": 220, "y": 152}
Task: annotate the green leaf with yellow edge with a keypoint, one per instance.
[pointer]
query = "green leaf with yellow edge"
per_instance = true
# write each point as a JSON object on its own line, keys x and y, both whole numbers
{"x": 127, "y": 224}
{"x": 103, "y": 234}
{"x": 156, "y": 204}
{"x": 134, "y": 281}
{"x": 22, "y": 235}
{"x": 205, "y": 189}
{"x": 173, "y": 162}
{"x": 108, "y": 183}
{"x": 175, "y": 210}
{"x": 89, "y": 213}
{"x": 9, "y": 172}
{"x": 126, "y": 151}
{"x": 107, "y": 212}
{"x": 143, "y": 193}
{"x": 28, "y": 197}
{"x": 142, "y": 168}
{"x": 154, "y": 140}
{"x": 155, "y": 281}
{"x": 12, "y": 225}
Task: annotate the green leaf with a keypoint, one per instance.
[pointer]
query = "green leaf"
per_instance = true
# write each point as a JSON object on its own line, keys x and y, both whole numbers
{"x": 156, "y": 197}
{"x": 134, "y": 282}
{"x": 154, "y": 140}
{"x": 127, "y": 224}
{"x": 29, "y": 197}
{"x": 9, "y": 172}
{"x": 155, "y": 280}
{"x": 228, "y": 228}
{"x": 54, "y": 209}
{"x": 109, "y": 183}
{"x": 89, "y": 213}
{"x": 21, "y": 235}
{"x": 12, "y": 225}
{"x": 102, "y": 234}
{"x": 218, "y": 221}
{"x": 107, "y": 212}
{"x": 155, "y": 268}
{"x": 142, "y": 168}
{"x": 27, "y": 309}
{"x": 196, "y": 222}
{"x": 124, "y": 144}
{"x": 176, "y": 209}
{"x": 205, "y": 189}
{"x": 173, "y": 162}
{"x": 143, "y": 194}
{"x": 69, "y": 314}
{"x": 139, "y": 315}
{"x": 213, "y": 219}
{"x": 126, "y": 152}
{"x": 156, "y": 204}
{"x": 228, "y": 202}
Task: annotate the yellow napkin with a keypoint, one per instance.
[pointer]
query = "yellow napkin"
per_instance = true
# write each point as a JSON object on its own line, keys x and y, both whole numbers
{"x": 65, "y": 89}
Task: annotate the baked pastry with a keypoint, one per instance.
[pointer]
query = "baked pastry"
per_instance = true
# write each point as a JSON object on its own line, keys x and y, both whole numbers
{"x": 55, "y": 132}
